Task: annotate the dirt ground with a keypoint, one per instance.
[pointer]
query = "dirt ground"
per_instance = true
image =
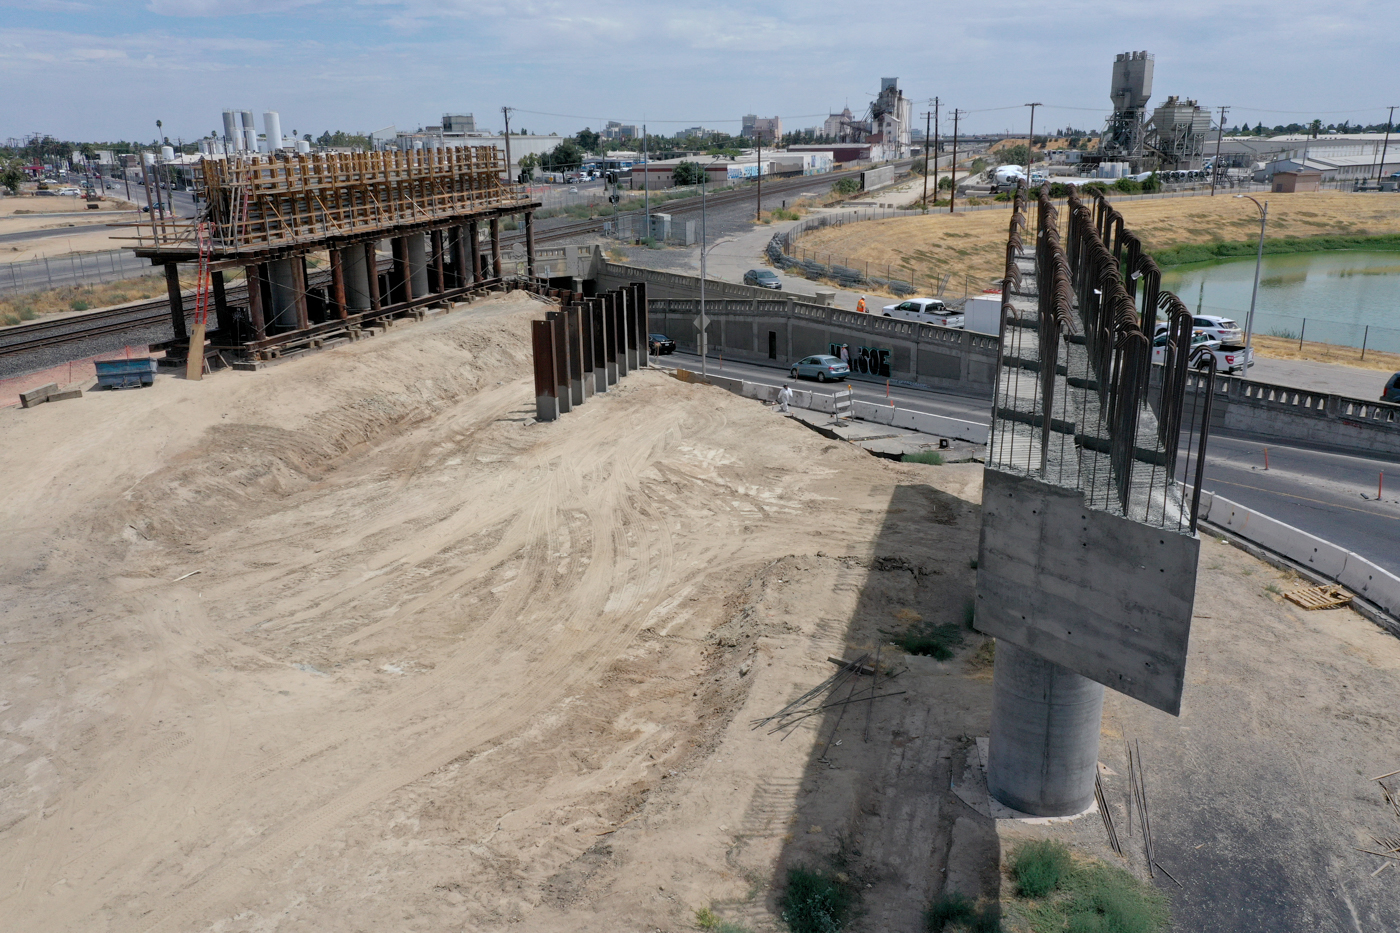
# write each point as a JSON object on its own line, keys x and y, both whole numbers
{"x": 352, "y": 643}
{"x": 90, "y": 232}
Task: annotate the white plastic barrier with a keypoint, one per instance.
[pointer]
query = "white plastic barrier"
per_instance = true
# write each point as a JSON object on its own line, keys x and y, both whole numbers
{"x": 1349, "y": 569}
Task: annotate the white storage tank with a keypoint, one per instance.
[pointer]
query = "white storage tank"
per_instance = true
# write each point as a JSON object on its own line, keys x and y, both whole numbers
{"x": 272, "y": 127}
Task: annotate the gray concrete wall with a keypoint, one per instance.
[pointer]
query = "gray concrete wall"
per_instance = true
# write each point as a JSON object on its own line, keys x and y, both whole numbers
{"x": 742, "y": 319}
{"x": 1100, "y": 595}
{"x": 1318, "y": 420}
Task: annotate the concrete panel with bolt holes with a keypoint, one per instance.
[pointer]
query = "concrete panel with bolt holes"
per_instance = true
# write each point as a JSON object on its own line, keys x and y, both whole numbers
{"x": 1106, "y": 597}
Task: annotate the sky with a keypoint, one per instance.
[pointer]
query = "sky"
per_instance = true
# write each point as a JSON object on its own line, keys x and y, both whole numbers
{"x": 108, "y": 70}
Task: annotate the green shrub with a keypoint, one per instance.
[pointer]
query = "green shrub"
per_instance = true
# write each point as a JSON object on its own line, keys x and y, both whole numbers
{"x": 846, "y": 186}
{"x": 1039, "y": 867}
{"x": 959, "y": 911}
{"x": 815, "y": 902}
{"x": 931, "y": 457}
{"x": 1104, "y": 899}
{"x": 77, "y": 304}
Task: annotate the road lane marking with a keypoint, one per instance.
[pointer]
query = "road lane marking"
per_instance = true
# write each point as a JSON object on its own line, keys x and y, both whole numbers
{"x": 1289, "y": 495}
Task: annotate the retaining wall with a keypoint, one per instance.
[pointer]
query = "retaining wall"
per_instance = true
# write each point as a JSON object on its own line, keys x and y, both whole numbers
{"x": 1318, "y": 420}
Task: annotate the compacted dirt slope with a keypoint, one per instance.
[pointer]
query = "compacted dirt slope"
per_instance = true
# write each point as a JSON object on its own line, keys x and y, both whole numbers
{"x": 352, "y": 643}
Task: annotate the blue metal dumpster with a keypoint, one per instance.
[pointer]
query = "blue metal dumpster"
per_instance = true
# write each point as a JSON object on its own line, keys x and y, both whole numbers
{"x": 123, "y": 374}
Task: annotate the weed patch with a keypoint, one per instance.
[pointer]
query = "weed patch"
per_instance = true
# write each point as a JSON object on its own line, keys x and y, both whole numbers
{"x": 707, "y": 919}
{"x": 1039, "y": 867}
{"x": 815, "y": 902}
{"x": 1095, "y": 897}
{"x": 931, "y": 457}
{"x": 954, "y": 911}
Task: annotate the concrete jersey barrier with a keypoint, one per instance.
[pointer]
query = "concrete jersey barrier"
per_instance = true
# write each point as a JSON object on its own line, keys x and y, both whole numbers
{"x": 1348, "y": 568}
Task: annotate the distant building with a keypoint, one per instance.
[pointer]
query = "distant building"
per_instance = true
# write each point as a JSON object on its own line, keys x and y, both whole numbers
{"x": 844, "y": 127}
{"x": 762, "y": 129}
{"x": 458, "y": 123}
{"x": 891, "y": 115}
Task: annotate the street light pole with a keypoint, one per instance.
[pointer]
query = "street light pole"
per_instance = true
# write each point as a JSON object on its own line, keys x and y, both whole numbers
{"x": 704, "y": 336}
{"x": 1258, "y": 264}
{"x": 928, "y": 117}
{"x": 1030, "y": 143}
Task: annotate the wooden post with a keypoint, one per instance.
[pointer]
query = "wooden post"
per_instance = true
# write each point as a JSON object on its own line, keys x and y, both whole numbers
{"x": 299, "y": 272}
{"x": 474, "y": 248}
{"x": 496, "y": 247}
{"x": 338, "y": 283}
{"x": 255, "y": 304}
{"x": 372, "y": 265}
{"x": 530, "y": 243}
{"x": 222, "y": 315}
{"x": 439, "y": 277}
{"x": 177, "y": 300}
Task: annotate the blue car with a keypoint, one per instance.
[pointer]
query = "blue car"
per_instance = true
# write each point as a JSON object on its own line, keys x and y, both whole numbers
{"x": 820, "y": 368}
{"x": 1391, "y": 393}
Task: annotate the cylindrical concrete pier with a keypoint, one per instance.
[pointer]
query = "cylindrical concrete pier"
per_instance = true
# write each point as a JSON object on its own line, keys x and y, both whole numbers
{"x": 282, "y": 277}
{"x": 356, "y": 278}
{"x": 1045, "y": 734}
{"x": 418, "y": 264}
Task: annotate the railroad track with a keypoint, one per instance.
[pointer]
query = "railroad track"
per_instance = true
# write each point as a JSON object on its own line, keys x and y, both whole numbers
{"x": 37, "y": 335}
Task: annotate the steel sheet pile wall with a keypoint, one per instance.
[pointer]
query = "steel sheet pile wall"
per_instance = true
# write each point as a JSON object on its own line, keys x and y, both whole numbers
{"x": 587, "y": 345}
{"x": 1087, "y": 565}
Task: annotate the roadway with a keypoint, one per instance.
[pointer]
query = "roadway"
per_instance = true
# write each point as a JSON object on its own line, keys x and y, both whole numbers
{"x": 1329, "y": 495}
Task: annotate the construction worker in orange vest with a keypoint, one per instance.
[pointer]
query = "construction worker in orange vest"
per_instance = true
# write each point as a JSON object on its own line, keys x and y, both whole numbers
{"x": 860, "y": 305}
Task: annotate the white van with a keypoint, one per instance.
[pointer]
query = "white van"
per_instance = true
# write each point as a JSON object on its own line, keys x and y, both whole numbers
{"x": 925, "y": 311}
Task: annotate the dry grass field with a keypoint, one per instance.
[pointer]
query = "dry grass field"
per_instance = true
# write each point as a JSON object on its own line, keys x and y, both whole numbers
{"x": 970, "y": 246}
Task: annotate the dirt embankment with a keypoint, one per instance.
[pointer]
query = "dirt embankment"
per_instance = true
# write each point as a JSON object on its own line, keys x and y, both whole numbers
{"x": 352, "y": 643}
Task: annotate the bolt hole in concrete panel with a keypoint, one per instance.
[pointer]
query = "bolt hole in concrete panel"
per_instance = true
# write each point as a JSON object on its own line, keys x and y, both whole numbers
{"x": 1131, "y": 629}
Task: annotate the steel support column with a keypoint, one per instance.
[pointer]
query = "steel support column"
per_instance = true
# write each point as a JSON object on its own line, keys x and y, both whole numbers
{"x": 338, "y": 283}
{"x": 253, "y": 276}
{"x": 599, "y": 334}
{"x": 560, "y": 327}
{"x": 585, "y": 320}
{"x": 223, "y": 315}
{"x": 177, "y": 300}
{"x": 496, "y": 268}
{"x": 619, "y": 331}
{"x": 530, "y": 243}
{"x": 643, "y": 321}
{"x": 546, "y": 391}
{"x": 574, "y": 329}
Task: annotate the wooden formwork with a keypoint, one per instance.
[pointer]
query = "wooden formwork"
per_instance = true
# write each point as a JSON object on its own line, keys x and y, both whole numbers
{"x": 261, "y": 202}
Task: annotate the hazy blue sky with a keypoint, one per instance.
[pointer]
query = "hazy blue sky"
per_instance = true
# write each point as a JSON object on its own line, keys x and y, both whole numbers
{"x": 108, "y": 70}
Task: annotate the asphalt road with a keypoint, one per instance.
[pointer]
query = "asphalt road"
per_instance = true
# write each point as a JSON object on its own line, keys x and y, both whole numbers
{"x": 1318, "y": 492}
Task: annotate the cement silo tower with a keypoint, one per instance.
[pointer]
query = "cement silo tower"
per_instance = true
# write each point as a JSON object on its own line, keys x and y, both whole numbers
{"x": 272, "y": 126}
{"x": 1130, "y": 91}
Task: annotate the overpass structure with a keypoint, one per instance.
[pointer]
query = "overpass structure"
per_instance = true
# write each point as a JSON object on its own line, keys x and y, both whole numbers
{"x": 272, "y": 215}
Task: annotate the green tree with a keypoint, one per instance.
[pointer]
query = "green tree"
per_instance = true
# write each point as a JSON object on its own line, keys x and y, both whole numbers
{"x": 846, "y": 186}
{"x": 11, "y": 176}
{"x": 1014, "y": 155}
{"x": 688, "y": 173}
{"x": 589, "y": 141}
{"x": 1315, "y": 127}
{"x": 566, "y": 156}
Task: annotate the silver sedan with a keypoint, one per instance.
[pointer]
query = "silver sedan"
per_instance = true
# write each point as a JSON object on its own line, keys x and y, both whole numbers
{"x": 820, "y": 368}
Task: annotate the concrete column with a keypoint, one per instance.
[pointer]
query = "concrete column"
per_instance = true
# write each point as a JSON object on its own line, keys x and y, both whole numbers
{"x": 177, "y": 300}
{"x": 253, "y": 276}
{"x": 474, "y": 250}
{"x": 356, "y": 274}
{"x": 439, "y": 276}
{"x": 417, "y": 265}
{"x": 530, "y": 243}
{"x": 400, "y": 284}
{"x": 496, "y": 269}
{"x": 372, "y": 275}
{"x": 1044, "y": 734}
{"x": 223, "y": 316}
{"x": 282, "y": 282}
{"x": 338, "y": 300}
{"x": 459, "y": 256}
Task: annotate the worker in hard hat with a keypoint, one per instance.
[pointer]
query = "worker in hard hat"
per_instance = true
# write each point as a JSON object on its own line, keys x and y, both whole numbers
{"x": 860, "y": 305}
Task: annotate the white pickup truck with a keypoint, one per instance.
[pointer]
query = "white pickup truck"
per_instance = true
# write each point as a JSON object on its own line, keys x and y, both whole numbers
{"x": 1228, "y": 359}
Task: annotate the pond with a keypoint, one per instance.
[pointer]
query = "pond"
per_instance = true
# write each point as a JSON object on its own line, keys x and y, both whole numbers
{"x": 1340, "y": 296}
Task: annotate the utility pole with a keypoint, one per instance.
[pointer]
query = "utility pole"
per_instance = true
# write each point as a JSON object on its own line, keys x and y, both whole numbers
{"x": 704, "y": 322}
{"x": 646, "y": 179}
{"x": 927, "y": 125}
{"x": 1215, "y": 165}
{"x": 1381, "y": 168}
{"x": 1030, "y": 143}
{"x": 953, "y": 191}
{"x": 505, "y": 111}
{"x": 758, "y": 214}
{"x": 936, "y": 149}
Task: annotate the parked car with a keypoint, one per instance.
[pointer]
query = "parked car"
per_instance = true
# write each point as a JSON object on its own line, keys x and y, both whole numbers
{"x": 1391, "y": 392}
{"x": 925, "y": 311}
{"x": 763, "y": 278}
{"x": 1219, "y": 328}
{"x": 1228, "y": 359}
{"x": 662, "y": 343}
{"x": 820, "y": 368}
